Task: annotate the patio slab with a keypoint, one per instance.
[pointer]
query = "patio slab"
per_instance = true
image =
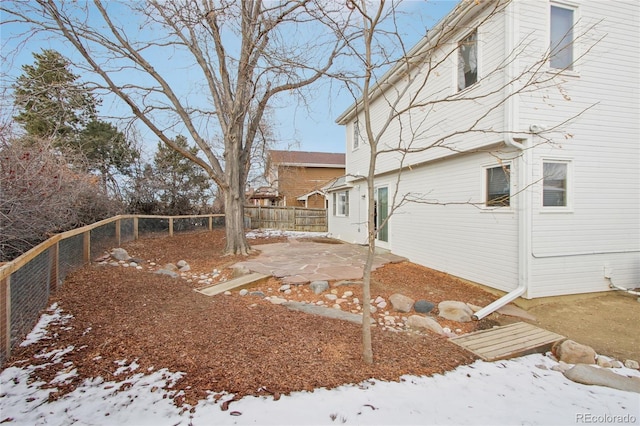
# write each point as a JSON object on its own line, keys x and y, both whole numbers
{"x": 300, "y": 262}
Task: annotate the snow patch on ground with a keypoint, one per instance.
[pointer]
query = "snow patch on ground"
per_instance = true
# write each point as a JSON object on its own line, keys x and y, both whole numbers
{"x": 519, "y": 391}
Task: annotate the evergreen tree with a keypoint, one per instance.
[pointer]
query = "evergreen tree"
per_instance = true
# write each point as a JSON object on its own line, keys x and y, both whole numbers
{"x": 184, "y": 187}
{"x": 51, "y": 102}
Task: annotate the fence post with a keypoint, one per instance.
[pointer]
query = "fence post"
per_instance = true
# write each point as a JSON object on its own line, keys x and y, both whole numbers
{"x": 86, "y": 246}
{"x": 210, "y": 222}
{"x": 5, "y": 317}
{"x": 171, "y": 226}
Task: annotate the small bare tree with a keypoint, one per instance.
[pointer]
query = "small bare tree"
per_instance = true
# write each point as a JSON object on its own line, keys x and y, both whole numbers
{"x": 397, "y": 93}
{"x": 207, "y": 68}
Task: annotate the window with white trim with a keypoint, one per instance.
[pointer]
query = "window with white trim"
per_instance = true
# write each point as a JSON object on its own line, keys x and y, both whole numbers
{"x": 468, "y": 61}
{"x": 498, "y": 187}
{"x": 561, "y": 37}
{"x": 341, "y": 203}
{"x": 555, "y": 190}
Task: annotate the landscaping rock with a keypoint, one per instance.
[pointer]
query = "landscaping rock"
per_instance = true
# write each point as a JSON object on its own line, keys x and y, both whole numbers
{"x": 170, "y": 267}
{"x": 401, "y": 303}
{"x": 172, "y": 274}
{"x": 347, "y": 282}
{"x": 424, "y": 323}
{"x": 574, "y": 353}
{"x": 589, "y": 375}
{"x": 277, "y": 300}
{"x": 631, "y": 364}
{"x": 184, "y": 268}
{"x": 603, "y": 362}
{"x": 423, "y": 306}
{"x": 319, "y": 286}
{"x": 330, "y": 296}
{"x": 284, "y": 287}
{"x": 181, "y": 263}
{"x": 239, "y": 271}
{"x": 257, "y": 294}
{"x": 120, "y": 254}
{"x": 455, "y": 311}
{"x": 243, "y": 292}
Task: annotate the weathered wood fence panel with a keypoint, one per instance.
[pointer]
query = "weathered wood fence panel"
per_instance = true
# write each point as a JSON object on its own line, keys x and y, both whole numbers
{"x": 287, "y": 218}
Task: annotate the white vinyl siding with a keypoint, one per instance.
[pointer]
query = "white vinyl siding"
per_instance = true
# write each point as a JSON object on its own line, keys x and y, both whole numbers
{"x": 593, "y": 117}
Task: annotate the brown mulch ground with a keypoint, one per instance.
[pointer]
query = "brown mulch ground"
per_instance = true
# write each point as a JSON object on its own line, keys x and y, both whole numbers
{"x": 242, "y": 345}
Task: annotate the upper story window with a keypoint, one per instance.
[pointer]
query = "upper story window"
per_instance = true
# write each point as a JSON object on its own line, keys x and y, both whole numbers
{"x": 498, "y": 188}
{"x": 554, "y": 184}
{"x": 561, "y": 37}
{"x": 468, "y": 61}
{"x": 356, "y": 134}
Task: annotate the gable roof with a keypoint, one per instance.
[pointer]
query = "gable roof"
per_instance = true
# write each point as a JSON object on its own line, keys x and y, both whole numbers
{"x": 307, "y": 159}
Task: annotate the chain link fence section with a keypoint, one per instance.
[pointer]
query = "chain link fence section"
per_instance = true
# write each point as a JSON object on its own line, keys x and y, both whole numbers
{"x": 30, "y": 288}
{"x": 27, "y": 281}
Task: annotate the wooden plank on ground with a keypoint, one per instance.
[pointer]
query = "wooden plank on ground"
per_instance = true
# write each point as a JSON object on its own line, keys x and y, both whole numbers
{"x": 234, "y": 284}
{"x": 508, "y": 341}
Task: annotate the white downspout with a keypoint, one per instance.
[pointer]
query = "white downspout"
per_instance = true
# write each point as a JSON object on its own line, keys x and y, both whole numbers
{"x": 524, "y": 196}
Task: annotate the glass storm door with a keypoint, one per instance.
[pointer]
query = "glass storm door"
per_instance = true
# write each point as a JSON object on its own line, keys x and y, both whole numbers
{"x": 382, "y": 211}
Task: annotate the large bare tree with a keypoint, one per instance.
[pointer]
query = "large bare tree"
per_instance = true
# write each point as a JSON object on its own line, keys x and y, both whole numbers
{"x": 398, "y": 95}
{"x": 207, "y": 68}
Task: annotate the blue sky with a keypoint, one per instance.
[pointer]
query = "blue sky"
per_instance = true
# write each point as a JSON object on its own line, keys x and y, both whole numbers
{"x": 310, "y": 128}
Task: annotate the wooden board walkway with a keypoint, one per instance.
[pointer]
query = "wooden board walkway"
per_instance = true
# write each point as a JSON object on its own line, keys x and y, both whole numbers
{"x": 236, "y": 283}
{"x": 508, "y": 341}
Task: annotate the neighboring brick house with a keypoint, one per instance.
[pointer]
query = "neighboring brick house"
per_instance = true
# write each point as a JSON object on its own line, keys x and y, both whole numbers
{"x": 298, "y": 176}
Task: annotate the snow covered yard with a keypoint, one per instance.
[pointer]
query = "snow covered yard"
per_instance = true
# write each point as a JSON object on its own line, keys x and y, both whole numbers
{"x": 519, "y": 391}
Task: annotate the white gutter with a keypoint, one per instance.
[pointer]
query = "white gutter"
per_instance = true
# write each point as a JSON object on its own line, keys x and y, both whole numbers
{"x": 524, "y": 196}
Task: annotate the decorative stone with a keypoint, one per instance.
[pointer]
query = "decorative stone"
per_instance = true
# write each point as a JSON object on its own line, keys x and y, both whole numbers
{"x": 382, "y": 305}
{"x": 378, "y": 299}
{"x": 227, "y": 293}
{"x": 181, "y": 263}
{"x": 347, "y": 294}
{"x": 455, "y": 311}
{"x": 170, "y": 267}
{"x": 172, "y": 274}
{"x": 424, "y": 323}
{"x": 277, "y": 300}
{"x": 603, "y": 362}
{"x": 239, "y": 271}
{"x": 319, "y": 286}
{"x": 330, "y": 297}
{"x": 616, "y": 364}
{"x": 284, "y": 287}
{"x": 589, "y": 375}
{"x": 120, "y": 254}
{"x": 243, "y": 292}
{"x": 423, "y": 306}
{"x": 561, "y": 367}
{"x": 574, "y": 353}
{"x": 185, "y": 268}
{"x": 630, "y": 363}
{"x": 401, "y": 303}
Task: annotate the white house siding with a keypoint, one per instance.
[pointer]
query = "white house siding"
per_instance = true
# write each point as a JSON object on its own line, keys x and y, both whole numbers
{"x": 352, "y": 228}
{"x": 464, "y": 240}
{"x": 426, "y": 125}
{"x": 570, "y": 249}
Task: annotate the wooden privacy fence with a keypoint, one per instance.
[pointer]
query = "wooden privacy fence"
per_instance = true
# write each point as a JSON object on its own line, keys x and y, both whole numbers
{"x": 287, "y": 218}
{"x": 27, "y": 281}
